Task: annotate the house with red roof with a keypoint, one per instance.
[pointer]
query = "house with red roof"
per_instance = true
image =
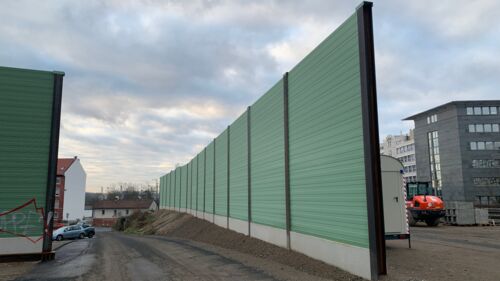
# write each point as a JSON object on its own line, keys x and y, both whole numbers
{"x": 71, "y": 179}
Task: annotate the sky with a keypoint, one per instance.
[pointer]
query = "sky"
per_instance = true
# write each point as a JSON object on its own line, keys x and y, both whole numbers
{"x": 150, "y": 83}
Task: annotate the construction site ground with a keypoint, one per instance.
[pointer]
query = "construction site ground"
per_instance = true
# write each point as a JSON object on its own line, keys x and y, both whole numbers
{"x": 174, "y": 246}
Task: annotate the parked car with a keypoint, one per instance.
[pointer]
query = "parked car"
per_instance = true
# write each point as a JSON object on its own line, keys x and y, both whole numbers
{"x": 69, "y": 232}
{"x": 89, "y": 230}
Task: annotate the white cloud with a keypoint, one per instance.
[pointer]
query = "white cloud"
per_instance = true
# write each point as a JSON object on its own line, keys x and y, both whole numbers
{"x": 149, "y": 83}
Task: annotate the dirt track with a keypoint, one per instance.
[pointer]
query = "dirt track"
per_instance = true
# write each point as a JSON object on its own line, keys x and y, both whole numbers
{"x": 118, "y": 256}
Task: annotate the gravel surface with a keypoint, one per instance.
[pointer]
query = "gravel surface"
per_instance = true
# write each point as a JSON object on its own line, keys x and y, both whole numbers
{"x": 446, "y": 253}
{"x": 173, "y": 224}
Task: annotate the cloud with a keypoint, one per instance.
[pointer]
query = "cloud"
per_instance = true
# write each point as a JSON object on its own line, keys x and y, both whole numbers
{"x": 150, "y": 83}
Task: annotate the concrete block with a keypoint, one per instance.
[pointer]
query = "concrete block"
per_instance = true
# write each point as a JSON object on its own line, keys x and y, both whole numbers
{"x": 481, "y": 216}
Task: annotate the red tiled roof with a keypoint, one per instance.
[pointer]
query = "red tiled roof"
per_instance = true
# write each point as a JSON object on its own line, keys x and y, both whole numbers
{"x": 63, "y": 165}
{"x": 123, "y": 204}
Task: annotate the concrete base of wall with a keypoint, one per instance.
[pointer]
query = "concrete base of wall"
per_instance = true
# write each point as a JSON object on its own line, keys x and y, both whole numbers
{"x": 208, "y": 217}
{"x": 20, "y": 245}
{"x": 220, "y": 221}
{"x": 334, "y": 253}
{"x": 199, "y": 214}
{"x": 182, "y": 210}
{"x": 269, "y": 234}
{"x": 238, "y": 225}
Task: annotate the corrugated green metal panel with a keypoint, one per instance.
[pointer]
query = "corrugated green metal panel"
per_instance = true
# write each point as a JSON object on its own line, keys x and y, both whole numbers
{"x": 238, "y": 173}
{"x": 183, "y": 186}
{"x": 188, "y": 181}
{"x": 221, "y": 174}
{"x": 162, "y": 194}
{"x": 267, "y": 158}
{"x": 209, "y": 188}
{"x": 195, "y": 183}
{"x": 327, "y": 172}
{"x": 165, "y": 190}
{"x": 201, "y": 181}
{"x": 176, "y": 187}
{"x": 25, "y": 126}
{"x": 168, "y": 194}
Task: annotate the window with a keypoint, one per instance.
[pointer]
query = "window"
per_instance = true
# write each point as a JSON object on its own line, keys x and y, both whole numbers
{"x": 432, "y": 119}
{"x": 56, "y": 215}
{"x": 495, "y": 128}
{"x": 126, "y": 212}
{"x": 480, "y": 145}
{"x": 435, "y": 163}
{"x": 479, "y": 128}
{"x": 56, "y": 204}
{"x": 102, "y": 212}
{"x": 487, "y": 128}
{"x": 472, "y": 128}
{"x": 473, "y": 145}
{"x": 486, "y": 110}
{"x": 470, "y": 111}
{"x": 58, "y": 180}
{"x": 489, "y": 145}
{"x": 114, "y": 213}
{"x": 493, "y": 110}
{"x": 477, "y": 110}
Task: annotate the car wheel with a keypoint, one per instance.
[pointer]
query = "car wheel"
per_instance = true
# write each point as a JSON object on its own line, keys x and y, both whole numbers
{"x": 81, "y": 236}
{"x": 59, "y": 237}
{"x": 90, "y": 235}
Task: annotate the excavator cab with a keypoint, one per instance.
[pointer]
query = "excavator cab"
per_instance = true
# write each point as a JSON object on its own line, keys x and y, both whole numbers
{"x": 418, "y": 188}
{"x": 423, "y": 204}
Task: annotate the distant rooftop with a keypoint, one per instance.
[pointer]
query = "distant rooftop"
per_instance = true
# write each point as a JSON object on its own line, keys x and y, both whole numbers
{"x": 123, "y": 204}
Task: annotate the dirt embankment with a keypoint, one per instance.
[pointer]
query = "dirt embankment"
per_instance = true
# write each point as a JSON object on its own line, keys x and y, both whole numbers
{"x": 173, "y": 224}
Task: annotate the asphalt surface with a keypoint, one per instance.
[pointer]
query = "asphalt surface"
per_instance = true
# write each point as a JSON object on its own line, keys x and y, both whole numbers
{"x": 118, "y": 256}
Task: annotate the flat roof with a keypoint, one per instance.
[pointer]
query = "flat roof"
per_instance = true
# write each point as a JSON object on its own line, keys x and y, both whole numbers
{"x": 414, "y": 116}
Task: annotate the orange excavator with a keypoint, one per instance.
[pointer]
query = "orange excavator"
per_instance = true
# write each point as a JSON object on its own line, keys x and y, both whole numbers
{"x": 423, "y": 204}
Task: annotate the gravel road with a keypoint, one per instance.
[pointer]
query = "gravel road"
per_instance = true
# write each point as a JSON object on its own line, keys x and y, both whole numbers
{"x": 118, "y": 256}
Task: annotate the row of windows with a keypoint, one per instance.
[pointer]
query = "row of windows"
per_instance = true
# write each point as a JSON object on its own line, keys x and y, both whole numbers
{"x": 485, "y": 145}
{"x": 487, "y": 201}
{"x": 407, "y": 158}
{"x": 434, "y": 159}
{"x": 410, "y": 169}
{"x": 482, "y": 110}
{"x": 486, "y": 163}
{"x": 486, "y": 181}
{"x": 114, "y": 212}
{"x": 411, "y": 179}
{"x": 484, "y": 128}
{"x": 405, "y": 148}
{"x": 432, "y": 119}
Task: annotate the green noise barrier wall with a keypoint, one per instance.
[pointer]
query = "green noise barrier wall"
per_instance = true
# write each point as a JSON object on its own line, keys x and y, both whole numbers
{"x": 300, "y": 168}
{"x": 30, "y": 108}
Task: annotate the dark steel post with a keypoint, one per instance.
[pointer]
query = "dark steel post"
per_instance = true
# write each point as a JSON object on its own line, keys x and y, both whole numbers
{"x": 249, "y": 170}
{"x": 371, "y": 141}
{"x": 228, "y": 163}
{"x": 287, "y": 160}
{"x": 50, "y": 192}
